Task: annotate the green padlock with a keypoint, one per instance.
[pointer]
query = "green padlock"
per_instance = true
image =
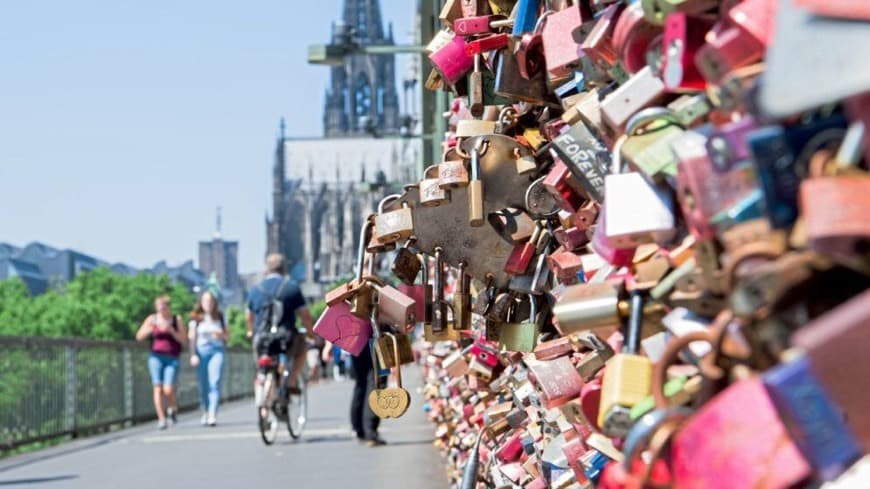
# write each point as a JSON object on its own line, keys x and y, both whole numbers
{"x": 522, "y": 336}
{"x": 647, "y": 148}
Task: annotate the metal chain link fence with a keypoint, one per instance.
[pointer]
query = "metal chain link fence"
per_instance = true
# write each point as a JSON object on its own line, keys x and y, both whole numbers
{"x": 65, "y": 387}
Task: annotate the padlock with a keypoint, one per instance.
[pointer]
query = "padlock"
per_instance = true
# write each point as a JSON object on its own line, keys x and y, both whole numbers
{"x": 565, "y": 265}
{"x": 555, "y": 348}
{"x": 702, "y": 191}
{"x": 476, "y": 25}
{"x": 462, "y": 300}
{"x": 440, "y": 328}
{"x": 637, "y": 211}
{"x": 475, "y": 186}
{"x": 647, "y": 149}
{"x": 758, "y": 443}
{"x": 725, "y": 52}
{"x": 475, "y": 89}
{"x": 627, "y": 376}
{"x": 395, "y": 225}
{"x": 560, "y": 184}
{"x": 521, "y": 336}
{"x": 406, "y": 265}
{"x": 431, "y": 193}
{"x": 526, "y": 16}
{"x": 572, "y": 238}
{"x": 512, "y": 224}
{"x": 605, "y": 248}
{"x": 343, "y": 329}
{"x": 386, "y": 347}
{"x": 392, "y": 402}
{"x": 594, "y": 361}
{"x": 521, "y": 256}
{"x": 510, "y": 83}
{"x": 529, "y": 54}
{"x": 472, "y": 8}
{"x": 643, "y": 89}
{"x": 562, "y": 52}
{"x": 485, "y": 44}
{"x": 451, "y": 60}
{"x": 558, "y": 381}
{"x": 452, "y": 174}
{"x": 586, "y": 157}
{"x": 598, "y": 44}
{"x": 395, "y": 308}
{"x": 633, "y": 36}
{"x": 684, "y": 35}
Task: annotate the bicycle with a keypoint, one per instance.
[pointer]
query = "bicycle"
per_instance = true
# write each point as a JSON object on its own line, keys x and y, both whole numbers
{"x": 274, "y": 402}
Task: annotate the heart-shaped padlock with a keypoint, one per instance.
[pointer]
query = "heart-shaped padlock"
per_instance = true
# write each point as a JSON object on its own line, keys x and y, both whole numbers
{"x": 391, "y": 402}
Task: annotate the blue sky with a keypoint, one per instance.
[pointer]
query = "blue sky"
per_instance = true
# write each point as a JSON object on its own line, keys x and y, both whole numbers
{"x": 123, "y": 124}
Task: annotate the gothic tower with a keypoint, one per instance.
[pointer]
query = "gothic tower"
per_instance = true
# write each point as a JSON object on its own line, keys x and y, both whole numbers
{"x": 275, "y": 242}
{"x": 365, "y": 85}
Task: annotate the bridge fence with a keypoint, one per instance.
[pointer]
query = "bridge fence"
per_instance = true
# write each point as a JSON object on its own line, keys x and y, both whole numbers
{"x": 50, "y": 388}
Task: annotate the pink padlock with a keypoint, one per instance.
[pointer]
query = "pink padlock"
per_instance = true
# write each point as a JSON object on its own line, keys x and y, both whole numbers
{"x": 338, "y": 325}
{"x": 452, "y": 61}
{"x": 603, "y": 248}
{"x": 418, "y": 293}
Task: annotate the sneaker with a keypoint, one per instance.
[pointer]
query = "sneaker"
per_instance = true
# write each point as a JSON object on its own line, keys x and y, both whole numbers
{"x": 173, "y": 416}
{"x": 161, "y": 424}
{"x": 212, "y": 421}
{"x": 377, "y": 441}
{"x": 204, "y": 419}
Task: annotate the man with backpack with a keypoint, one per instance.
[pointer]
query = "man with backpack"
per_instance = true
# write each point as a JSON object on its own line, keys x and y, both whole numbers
{"x": 273, "y": 306}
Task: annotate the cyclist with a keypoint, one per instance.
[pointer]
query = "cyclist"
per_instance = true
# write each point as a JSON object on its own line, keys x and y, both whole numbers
{"x": 275, "y": 303}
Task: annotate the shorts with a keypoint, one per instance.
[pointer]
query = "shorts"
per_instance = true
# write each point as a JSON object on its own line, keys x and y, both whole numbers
{"x": 291, "y": 343}
{"x": 163, "y": 369}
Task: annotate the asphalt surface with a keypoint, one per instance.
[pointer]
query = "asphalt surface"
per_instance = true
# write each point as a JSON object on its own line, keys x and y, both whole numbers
{"x": 232, "y": 455}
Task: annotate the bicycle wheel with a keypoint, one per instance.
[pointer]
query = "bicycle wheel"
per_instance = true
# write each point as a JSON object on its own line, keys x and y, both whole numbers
{"x": 297, "y": 409}
{"x": 267, "y": 420}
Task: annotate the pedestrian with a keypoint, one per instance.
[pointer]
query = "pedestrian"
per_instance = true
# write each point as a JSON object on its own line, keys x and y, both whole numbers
{"x": 168, "y": 334}
{"x": 208, "y": 337}
{"x": 364, "y": 421}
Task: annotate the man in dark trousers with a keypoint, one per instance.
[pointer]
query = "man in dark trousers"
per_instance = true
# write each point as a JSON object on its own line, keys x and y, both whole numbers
{"x": 363, "y": 420}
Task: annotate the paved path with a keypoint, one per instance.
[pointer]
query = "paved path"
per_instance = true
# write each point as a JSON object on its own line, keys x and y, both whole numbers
{"x": 233, "y": 456}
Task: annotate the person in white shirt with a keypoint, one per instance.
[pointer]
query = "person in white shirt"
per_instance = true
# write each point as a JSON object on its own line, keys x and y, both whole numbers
{"x": 208, "y": 337}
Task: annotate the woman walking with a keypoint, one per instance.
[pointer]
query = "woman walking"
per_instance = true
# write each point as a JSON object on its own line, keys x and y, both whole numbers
{"x": 208, "y": 336}
{"x": 167, "y": 335}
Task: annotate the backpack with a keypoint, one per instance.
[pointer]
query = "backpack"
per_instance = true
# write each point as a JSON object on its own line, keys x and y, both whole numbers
{"x": 271, "y": 310}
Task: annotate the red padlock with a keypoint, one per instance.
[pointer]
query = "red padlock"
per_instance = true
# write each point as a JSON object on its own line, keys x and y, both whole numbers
{"x": 558, "y": 183}
{"x": 684, "y": 35}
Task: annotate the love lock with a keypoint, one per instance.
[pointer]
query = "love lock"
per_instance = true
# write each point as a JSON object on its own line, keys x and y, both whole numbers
{"x": 391, "y": 402}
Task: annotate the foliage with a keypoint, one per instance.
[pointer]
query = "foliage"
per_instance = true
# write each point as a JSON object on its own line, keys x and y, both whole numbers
{"x": 99, "y": 304}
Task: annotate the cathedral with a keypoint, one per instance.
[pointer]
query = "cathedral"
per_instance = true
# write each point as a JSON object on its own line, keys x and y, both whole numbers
{"x": 324, "y": 187}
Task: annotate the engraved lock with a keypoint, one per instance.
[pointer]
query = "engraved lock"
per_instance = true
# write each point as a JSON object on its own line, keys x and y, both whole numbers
{"x": 395, "y": 225}
{"x": 431, "y": 193}
{"x": 476, "y": 25}
{"x": 648, "y": 146}
{"x": 475, "y": 186}
{"x": 393, "y": 349}
{"x": 391, "y": 402}
{"x": 558, "y": 381}
{"x": 406, "y": 265}
{"x": 339, "y": 326}
{"x": 586, "y": 157}
{"x": 512, "y": 224}
{"x": 627, "y": 377}
{"x": 521, "y": 336}
{"x": 452, "y": 174}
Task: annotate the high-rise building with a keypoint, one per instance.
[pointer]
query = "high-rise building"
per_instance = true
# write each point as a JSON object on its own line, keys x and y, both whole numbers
{"x": 362, "y": 91}
{"x": 221, "y": 258}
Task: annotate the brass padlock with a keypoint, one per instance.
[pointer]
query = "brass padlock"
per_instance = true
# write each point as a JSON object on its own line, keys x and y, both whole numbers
{"x": 521, "y": 336}
{"x": 394, "y": 349}
{"x": 390, "y": 402}
{"x": 462, "y": 300}
{"x": 452, "y": 174}
{"x": 395, "y": 225}
{"x": 440, "y": 329}
{"x": 431, "y": 193}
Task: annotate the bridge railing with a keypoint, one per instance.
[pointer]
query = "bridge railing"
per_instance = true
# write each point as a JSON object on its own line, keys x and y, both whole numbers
{"x": 50, "y": 388}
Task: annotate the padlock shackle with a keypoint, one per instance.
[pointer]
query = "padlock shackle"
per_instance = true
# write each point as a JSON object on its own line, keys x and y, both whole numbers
{"x": 386, "y": 200}
{"x": 649, "y": 115}
{"x": 635, "y": 323}
{"x": 365, "y": 234}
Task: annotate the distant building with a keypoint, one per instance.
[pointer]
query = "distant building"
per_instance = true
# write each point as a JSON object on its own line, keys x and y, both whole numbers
{"x": 41, "y": 267}
{"x": 221, "y": 258}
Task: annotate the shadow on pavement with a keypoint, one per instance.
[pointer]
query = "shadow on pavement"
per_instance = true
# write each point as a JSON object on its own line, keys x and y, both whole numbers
{"x": 37, "y": 480}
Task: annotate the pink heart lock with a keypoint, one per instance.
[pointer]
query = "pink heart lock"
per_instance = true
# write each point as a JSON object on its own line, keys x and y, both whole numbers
{"x": 338, "y": 325}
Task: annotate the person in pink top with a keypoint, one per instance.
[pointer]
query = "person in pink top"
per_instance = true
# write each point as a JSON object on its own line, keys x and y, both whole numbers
{"x": 168, "y": 334}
